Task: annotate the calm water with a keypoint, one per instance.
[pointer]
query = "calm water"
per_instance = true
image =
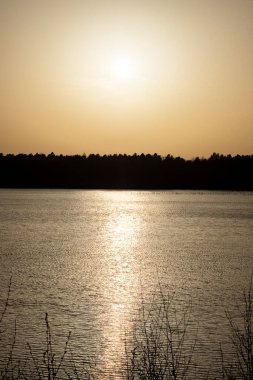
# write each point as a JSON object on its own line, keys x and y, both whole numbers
{"x": 89, "y": 257}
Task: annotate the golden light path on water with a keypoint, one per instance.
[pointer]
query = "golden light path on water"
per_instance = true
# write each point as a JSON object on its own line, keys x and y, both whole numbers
{"x": 123, "y": 278}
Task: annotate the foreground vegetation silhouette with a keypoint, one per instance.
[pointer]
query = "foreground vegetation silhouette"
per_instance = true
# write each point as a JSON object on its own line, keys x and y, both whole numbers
{"x": 121, "y": 171}
{"x": 158, "y": 348}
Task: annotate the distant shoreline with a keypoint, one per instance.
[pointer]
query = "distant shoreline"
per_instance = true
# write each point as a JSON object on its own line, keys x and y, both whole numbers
{"x": 126, "y": 172}
{"x": 127, "y": 189}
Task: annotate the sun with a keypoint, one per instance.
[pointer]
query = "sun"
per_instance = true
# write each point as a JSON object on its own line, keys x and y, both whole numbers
{"x": 123, "y": 68}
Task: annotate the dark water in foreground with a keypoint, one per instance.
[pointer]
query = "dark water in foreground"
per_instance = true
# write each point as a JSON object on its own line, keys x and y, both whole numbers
{"x": 89, "y": 257}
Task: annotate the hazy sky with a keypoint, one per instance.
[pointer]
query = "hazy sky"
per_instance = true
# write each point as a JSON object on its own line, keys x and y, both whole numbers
{"x": 106, "y": 76}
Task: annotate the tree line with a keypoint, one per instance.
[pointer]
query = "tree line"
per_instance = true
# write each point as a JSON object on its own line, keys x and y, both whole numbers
{"x": 122, "y": 171}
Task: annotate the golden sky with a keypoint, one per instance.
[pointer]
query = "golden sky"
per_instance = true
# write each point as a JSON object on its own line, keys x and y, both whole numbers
{"x": 107, "y": 76}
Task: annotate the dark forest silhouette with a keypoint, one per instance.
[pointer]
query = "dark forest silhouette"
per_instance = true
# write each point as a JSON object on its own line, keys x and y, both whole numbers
{"x": 121, "y": 171}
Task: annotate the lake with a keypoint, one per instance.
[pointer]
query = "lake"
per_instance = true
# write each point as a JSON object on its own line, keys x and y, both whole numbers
{"x": 89, "y": 258}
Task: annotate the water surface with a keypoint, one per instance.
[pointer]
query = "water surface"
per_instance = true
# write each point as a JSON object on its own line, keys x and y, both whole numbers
{"x": 89, "y": 257}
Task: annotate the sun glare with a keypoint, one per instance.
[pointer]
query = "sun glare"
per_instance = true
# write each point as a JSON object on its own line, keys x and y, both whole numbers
{"x": 123, "y": 68}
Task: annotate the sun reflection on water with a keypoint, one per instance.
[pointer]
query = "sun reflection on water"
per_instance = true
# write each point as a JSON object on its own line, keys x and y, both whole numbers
{"x": 122, "y": 233}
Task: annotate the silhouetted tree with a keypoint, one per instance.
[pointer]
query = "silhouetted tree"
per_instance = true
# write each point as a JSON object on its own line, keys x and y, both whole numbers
{"x": 144, "y": 171}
